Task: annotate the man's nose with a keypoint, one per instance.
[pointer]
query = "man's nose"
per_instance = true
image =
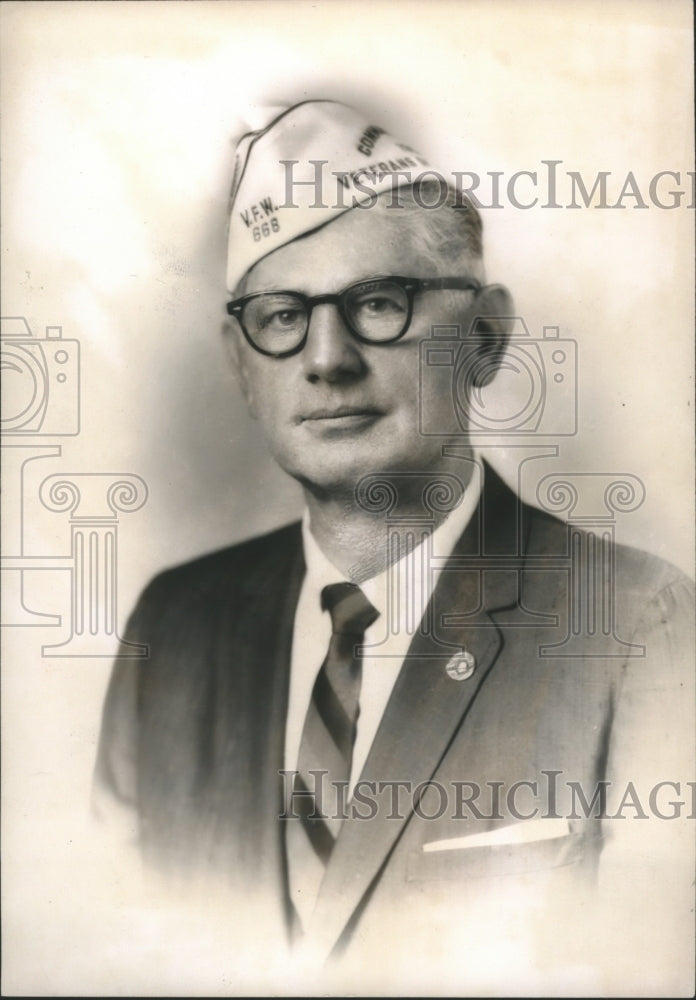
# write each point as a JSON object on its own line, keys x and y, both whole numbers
{"x": 330, "y": 353}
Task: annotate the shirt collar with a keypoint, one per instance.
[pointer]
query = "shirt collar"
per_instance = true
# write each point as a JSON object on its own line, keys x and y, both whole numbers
{"x": 321, "y": 572}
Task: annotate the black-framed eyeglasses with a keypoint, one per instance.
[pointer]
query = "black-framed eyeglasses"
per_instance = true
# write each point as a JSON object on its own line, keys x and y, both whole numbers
{"x": 376, "y": 311}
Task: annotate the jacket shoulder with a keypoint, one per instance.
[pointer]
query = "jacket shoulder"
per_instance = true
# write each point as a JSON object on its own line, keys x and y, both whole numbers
{"x": 244, "y": 565}
{"x": 639, "y": 575}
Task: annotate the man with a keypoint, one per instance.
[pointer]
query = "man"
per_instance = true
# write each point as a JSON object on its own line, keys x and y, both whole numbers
{"x": 367, "y": 729}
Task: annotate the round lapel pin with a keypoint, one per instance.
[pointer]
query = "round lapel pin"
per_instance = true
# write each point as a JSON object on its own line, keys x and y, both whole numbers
{"x": 461, "y": 666}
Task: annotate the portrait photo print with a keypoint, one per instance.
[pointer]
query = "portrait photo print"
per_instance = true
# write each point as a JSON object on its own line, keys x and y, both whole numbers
{"x": 348, "y": 522}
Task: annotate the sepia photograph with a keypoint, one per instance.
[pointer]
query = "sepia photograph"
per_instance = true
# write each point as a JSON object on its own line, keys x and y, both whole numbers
{"x": 347, "y": 510}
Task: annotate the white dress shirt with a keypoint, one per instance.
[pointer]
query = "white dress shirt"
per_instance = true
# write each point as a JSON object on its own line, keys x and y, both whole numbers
{"x": 400, "y": 593}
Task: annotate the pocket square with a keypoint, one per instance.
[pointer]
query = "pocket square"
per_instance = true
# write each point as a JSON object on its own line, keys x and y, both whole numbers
{"x": 526, "y": 832}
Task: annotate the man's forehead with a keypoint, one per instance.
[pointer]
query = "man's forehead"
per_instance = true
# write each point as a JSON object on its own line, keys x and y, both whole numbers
{"x": 359, "y": 244}
{"x": 302, "y": 171}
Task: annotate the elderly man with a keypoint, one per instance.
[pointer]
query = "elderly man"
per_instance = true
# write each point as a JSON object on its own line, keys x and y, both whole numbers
{"x": 363, "y": 727}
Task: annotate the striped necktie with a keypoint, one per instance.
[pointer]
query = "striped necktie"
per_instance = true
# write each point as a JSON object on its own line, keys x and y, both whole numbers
{"x": 326, "y": 747}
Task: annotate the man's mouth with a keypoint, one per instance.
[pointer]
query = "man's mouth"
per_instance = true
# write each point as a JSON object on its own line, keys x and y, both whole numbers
{"x": 340, "y": 413}
{"x": 332, "y": 421}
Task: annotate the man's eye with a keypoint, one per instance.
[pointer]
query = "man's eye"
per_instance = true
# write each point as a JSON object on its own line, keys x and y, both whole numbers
{"x": 378, "y": 305}
{"x": 282, "y": 319}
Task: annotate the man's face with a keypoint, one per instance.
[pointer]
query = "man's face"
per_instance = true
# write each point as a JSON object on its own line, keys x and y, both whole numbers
{"x": 341, "y": 408}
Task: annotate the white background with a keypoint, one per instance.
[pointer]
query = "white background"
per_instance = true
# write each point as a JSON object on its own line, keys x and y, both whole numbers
{"x": 119, "y": 122}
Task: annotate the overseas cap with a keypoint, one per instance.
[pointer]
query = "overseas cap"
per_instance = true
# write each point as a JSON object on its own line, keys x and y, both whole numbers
{"x": 310, "y": 164}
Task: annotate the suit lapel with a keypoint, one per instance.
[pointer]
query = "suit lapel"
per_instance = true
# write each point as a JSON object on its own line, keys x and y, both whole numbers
{"x": 426, "y": 707}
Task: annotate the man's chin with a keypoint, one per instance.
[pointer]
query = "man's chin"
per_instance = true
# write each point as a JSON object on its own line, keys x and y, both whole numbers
{"x": 338, "y": 480}
{"x": 336, "y": 484}
{"x": 334, "y": 476}
{"x": 333, "y": 464}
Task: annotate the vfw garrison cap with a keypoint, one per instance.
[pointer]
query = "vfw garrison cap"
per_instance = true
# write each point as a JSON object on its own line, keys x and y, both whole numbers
{"x": 310, "y": 164}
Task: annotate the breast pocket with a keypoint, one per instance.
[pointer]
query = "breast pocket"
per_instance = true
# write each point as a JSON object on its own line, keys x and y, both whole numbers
{"x": 496, "y": 860}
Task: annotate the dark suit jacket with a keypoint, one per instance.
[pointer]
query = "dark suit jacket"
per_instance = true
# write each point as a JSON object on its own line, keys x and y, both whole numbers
{"x": 193, "y": 738}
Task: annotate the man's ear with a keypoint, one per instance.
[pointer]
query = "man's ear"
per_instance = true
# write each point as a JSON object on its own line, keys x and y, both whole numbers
{"x": 234, "y": 346}
{"x": 492, "y": 319}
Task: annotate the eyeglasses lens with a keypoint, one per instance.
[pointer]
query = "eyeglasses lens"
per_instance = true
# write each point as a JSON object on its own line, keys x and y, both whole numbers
{"x": 377, "y": 310}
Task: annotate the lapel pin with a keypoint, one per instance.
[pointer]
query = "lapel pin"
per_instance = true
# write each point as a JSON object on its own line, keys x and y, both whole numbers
{"x": 461, "y": 666}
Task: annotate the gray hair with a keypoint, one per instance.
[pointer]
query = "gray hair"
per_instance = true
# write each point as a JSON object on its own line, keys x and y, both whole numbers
{"x": 444, "y": 227}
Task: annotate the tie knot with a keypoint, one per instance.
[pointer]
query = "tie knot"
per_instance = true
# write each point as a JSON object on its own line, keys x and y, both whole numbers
{"x": 351, "y": 612}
